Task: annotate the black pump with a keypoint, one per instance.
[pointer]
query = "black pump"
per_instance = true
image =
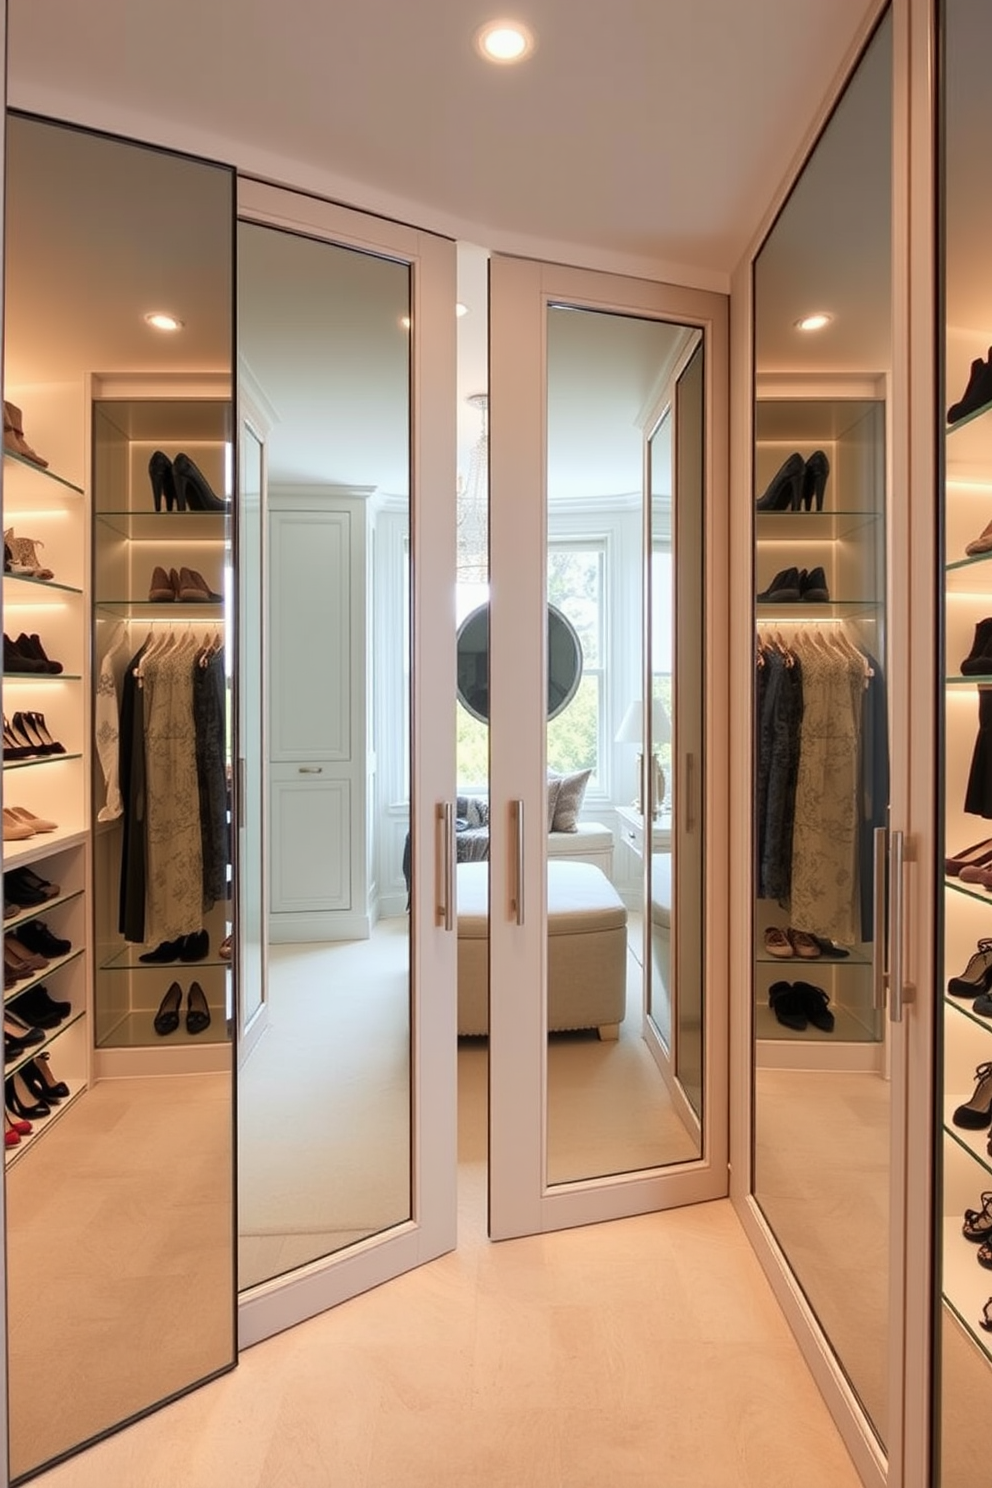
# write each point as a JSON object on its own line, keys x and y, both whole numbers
{"x": 161, "y": 475}
{"x": 814, "y": 481}
{"x": 785, "y": 488}
{"x": 193, "y": 488}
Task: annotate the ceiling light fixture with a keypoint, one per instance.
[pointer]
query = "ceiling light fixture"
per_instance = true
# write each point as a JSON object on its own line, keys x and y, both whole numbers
{"x": 163, "y": 321}
{"x": 814, "y": 322}
{"x": 504, "y": 41}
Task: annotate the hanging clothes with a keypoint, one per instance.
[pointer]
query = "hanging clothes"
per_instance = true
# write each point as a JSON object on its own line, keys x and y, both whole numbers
{"x": 174, "y": 850}
{"x": 131, "y": 754}
{"x": 780, "y": 722}
{"x": 978, "y": 793}
{"x": 106, "y": 722}
{"x": 211, "y": 774}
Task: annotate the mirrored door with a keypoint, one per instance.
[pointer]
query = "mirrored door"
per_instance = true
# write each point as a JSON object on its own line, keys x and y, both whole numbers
{"x": 605, "y": 399}
{"x": 346, "y": 335}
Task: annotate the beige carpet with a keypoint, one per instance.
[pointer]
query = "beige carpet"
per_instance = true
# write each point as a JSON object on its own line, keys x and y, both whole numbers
{"x": 120, "y": 1273}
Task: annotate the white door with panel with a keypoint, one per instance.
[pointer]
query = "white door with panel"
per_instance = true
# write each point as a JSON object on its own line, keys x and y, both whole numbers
{"x": 608, "y": 1061}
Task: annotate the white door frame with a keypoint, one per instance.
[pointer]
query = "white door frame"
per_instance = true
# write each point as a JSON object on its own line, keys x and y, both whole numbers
{"x": 521, "y": 1202}
{"x": 431, "y": 1230}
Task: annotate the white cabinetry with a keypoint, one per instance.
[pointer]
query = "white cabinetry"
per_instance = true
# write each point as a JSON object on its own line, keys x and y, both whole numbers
{"x": 319, "y": 754}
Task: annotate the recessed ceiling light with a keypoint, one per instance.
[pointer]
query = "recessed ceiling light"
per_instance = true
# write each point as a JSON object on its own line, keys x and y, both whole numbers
{"x": 163, "y": 321}
{"x": 504, "y": 41}
{"x": 814, "y": 322}
{"x": 461, "y": 309}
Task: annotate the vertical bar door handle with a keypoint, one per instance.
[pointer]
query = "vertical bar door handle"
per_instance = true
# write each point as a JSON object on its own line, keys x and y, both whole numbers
{"x": 446, "y": 908}
{"x": 899, "y": 992}
{"x": 690, "y": 787}
{"x": 880, "y": 855}
{"x": 517, "y": 903}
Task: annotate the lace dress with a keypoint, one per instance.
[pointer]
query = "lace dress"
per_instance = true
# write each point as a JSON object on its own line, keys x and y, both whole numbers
{"x": 174, "y": 853}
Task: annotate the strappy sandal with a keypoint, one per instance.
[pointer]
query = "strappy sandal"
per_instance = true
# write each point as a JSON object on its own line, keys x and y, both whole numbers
{"x": 978, "y": 1222}
{"x": 977, "y": 1112}
{"x": 977, "y": 975}
{"x": 985, "y": 1321}
{"x": 984, "y": 1254}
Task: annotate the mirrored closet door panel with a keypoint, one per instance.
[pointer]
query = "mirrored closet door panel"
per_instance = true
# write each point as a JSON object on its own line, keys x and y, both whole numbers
{"x": 824, "y": 1128}
{"x": 117, "y": 767}
{"x": 600, "y": 421}
{"x": 338, "y": 1117}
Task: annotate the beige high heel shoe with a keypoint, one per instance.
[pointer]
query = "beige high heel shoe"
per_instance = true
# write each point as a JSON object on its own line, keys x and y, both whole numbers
{"x": 13, "y": 435}
{"x": 15, "y": 830}
{"x": 980, "y": 544}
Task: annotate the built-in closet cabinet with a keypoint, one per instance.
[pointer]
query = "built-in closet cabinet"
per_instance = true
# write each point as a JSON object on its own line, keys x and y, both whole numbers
{"x": 320, "y": 710}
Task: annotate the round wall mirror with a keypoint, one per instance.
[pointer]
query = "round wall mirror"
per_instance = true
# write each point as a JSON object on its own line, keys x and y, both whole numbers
{"x": 564, "y": 662}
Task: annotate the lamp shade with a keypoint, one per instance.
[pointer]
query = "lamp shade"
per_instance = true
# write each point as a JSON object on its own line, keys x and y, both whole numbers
{"x": 631, "y": 730}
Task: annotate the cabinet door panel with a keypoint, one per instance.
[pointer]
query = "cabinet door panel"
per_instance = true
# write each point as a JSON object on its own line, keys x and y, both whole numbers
{"x": 311, "y": 634}
{"x": 311, "y": 845}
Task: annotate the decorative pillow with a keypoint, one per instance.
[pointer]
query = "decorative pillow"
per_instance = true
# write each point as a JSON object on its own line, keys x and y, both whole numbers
{"x": 571, "y": 793}
{"x": 554, "y": 786}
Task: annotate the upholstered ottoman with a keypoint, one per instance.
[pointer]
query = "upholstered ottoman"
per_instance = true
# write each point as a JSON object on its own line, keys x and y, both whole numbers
{"x": 587, "y": 949}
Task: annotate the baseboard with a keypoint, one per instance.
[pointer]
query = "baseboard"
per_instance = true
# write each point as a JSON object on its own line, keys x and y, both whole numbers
{"x": 288, "y": 929}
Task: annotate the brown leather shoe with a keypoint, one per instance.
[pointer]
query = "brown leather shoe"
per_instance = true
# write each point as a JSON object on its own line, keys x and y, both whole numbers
{"x": 161, "y": 591}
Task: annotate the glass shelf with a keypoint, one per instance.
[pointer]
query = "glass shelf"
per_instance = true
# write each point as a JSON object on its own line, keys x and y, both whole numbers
{"x": 48, "y": 475}
{"x": 129, "y": 960}
{"x": 10, "y": 578}
{"x": 982, "y": 680}
{"x": 801, "y": 526}
{"x": 170, "y": 527}
{"x": 42, "y": 677}
{"x": 971, "y": 891}
{"x": 812, "y": 963}
{"x": 970, "y": 561}
{"x": 816, "y": 610}
{"x": 963, "y": 1006}
{"x": 972, "y": 1142}
{"x": 164, "y": 608}
{"x": 42, "y": 759}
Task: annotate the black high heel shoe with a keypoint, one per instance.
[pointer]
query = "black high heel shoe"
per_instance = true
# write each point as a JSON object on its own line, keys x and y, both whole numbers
{"x": 40, "y": 727}
{"x": 24, "y": 725}
{"x": 13, "y": 748}
{"x": 814, "y": 481}
{"x": 977, "y": 1112}
{"x": 193, "y": 488}
{"x": 162, "y": 477}
{"x": 785, "y": 488}
{"x": 977, "y": 975}
{"x": 41, "y": 1083}
{"x": 18, "y": 1099}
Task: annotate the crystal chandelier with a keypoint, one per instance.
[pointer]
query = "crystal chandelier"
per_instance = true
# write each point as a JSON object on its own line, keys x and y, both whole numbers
{"x": 472, "y": 505}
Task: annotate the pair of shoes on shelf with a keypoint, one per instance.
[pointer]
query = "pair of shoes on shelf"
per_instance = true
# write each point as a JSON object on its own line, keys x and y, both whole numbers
{"x": 27, "y": 655}
{"x": 19, "y": 824}
{"x": 185, "y": 586}
{"x": 797, "y": 484}
{"x": 36, "y": 935}
{"x": 185, "y": 948}
{"x": 793, "y": 584}
{"x": 795, "y": 1004}
{"x": 24, "y": 887}
{"x": 978, "y": 855}
{"x": 33, "y": 1090}
{"x": 22, "y": 961}
{"x": 791, "y": 942}
{"x": 181, "y": 484}
{"x": 977, "y": 393}
{"x": 39, "y": 1009}
{"x": 24, "y": 560}
{"x": 13, "y": 435}
{"x": 197, "y": 1010}
{"x": 27, "y": 734}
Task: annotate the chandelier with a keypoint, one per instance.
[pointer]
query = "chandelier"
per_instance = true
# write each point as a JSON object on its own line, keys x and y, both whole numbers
{"x": 472, "y": 506}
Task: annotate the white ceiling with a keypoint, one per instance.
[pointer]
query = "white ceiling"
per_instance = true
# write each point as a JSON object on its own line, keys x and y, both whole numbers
{"x": 653, "y": 145}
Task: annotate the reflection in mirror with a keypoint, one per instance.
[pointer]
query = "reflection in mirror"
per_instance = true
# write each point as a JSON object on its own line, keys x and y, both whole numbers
{"x": 822, "y": 1117}
{"x": 614, "y": 1099}
{"x": 253, "y": 935}
{"x": 324, "y": 339}
{"x": 119, "y": 1181}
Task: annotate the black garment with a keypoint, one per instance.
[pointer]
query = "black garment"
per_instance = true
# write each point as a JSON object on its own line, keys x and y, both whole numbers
{"x": 208, "y": 723}
{"x": 131, "y": 748}
{"x": 873, "y": 788}
{"x": 778, "y": 770}
{"x": 978, "y": 797}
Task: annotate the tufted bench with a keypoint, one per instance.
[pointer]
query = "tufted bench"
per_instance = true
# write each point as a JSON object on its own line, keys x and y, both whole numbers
{"x": 587, "y": 949}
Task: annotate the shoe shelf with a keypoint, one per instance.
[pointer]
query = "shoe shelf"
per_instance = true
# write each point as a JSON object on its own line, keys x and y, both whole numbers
{"x": 844, "y": 609}
{"x": 798, "y": 527}
{"x": 967, "y": 1286}
{"x": 963, "y": 566}
{"x": 969, "y": 418}
{"x": 963, "y": 1007}
{"x": 52, "y": 585}
{"x": 811, "y": 963}
{"x": 41, "y": 1125}
{"x": 162, "y": 527}
{"x": 40, "y": 473}
{"x": 41, "y": 911}
{"x": 45, "y": 677}
{"x": 136, "y": 1030}
{"x": 970, "y": 891}
{"x": 52, "y": 1035}
{"x": 11, "y": 994}
{"x": 44, "y": 759}
{"x": 162, "y": 609}
{"x": 974, "y": 1143}
{"x": 128, "y": 959}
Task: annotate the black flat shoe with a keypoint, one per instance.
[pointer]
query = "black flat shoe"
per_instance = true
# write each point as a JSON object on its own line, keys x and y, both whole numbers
{"x": 197, "y": 1011}
{"x": 787, "y": 1006}
{"x": 167, "y": 1017}
{"x": 784, "y": 490}
{"x": 813, "y": 586}
{"x": 167, "y": 950}
{"x": 813, "y": 1001}
{"x": 193, "y": 488}
{"x": 195, "y": 946}
{"x": 783, "y": 589}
